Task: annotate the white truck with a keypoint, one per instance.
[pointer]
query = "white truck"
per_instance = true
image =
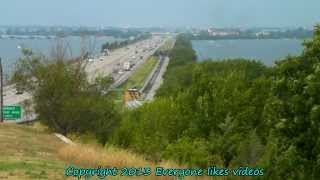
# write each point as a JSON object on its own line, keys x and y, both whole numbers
{"x": 127, "y": 66}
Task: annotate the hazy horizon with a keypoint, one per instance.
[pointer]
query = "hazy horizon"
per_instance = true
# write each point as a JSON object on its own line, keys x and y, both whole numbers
{"x": 164, "y": 13}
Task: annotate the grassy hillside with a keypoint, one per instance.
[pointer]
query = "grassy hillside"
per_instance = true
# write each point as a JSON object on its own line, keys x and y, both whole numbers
{"x": 34, "y": 153}
{"x": 28, "y": 153}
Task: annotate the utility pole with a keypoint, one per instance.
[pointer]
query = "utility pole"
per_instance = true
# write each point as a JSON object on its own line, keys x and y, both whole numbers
{"x": 1, "y": 91}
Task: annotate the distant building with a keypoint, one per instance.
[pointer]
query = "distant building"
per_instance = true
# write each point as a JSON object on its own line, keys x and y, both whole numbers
{"x": 216, "y": 32}
{"x": 263, "y": 33}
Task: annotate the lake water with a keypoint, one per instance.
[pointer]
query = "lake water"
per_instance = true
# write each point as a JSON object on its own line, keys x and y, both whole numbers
{"x": 10, "y": 52}
{"x": 267, "y": 50}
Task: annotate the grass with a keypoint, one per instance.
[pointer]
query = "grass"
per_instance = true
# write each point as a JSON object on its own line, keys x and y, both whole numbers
{"x": 95, "y": 155}
{"x": 25, "y": 153}
{"x": 35, "y": 153}
{"x": 109, "y": 157}
{"x": 136, "y": 80}
{"x": 168, "y": 45}
{"x": 139, "y": 77}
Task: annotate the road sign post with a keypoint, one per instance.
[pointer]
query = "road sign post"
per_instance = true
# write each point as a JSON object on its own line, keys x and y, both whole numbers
{"x": 1, "y": 91}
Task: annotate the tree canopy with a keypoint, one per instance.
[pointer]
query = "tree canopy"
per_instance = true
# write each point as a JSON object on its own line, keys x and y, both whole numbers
{"x": 62, "y": 97}
{"x": 233, "y": 113}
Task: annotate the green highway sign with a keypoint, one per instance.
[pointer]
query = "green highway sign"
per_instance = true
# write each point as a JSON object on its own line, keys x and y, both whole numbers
{"x": 12, "y": 112}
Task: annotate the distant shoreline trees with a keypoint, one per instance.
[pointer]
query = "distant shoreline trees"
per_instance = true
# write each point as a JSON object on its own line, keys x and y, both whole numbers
{"x": 298, "y": 33}
{"x": 120, "y": 44}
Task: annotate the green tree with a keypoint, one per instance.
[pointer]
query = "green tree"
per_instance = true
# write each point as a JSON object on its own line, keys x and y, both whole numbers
{"x": 294, "y": 112}
{"x": 63, "y": 98}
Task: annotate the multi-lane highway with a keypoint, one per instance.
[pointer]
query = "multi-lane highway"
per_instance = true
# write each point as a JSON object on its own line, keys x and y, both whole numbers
{"x": 112, "y": 65}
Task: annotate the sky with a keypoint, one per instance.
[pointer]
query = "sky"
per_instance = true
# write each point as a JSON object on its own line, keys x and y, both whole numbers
{"x": 161, "y": 13}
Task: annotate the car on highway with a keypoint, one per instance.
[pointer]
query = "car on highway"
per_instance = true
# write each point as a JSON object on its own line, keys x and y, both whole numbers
{"x": 120, "y": 72}
{"x": 90, "y": 60}
{"x": 127, "y": 66}
{"x": 19, "y": 90}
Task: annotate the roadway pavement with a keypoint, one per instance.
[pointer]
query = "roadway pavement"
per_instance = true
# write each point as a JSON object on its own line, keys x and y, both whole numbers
{"x": 107, "y": 65}
{"x": 102, "y": 66}
{"x": 156, "y": 81}
{"x": 11, "y": 98}
{"x": 111, "y": 65}
{"x": 152, "y": 83}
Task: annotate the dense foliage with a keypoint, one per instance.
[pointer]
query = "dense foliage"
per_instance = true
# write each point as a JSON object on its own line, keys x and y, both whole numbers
{"x": 234, "y": 113}
{"x": 184, "y": 59}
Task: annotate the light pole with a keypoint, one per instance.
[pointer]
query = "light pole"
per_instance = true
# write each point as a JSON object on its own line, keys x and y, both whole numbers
{"x": 1, "y": 91}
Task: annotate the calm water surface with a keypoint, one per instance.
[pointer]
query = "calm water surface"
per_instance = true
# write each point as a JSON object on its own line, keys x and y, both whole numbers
{"x": 267, "y": 51}
{"x": 10, "y": 52}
